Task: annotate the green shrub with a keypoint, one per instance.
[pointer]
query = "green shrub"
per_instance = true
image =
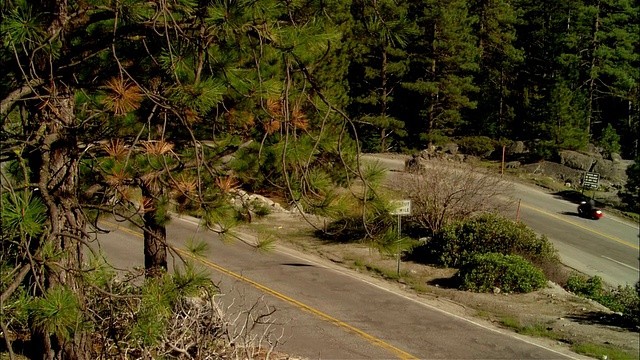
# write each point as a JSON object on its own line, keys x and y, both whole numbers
{"x": 489, "y": 233}
{"x": 509, "y": 273}
{"x": 609, "y": 140}
{"x": 436, "y": 137}
{"x": 623, "y": 299}
{"x": 543, "y": 150}
{"x": 476, "y": 145}
{"x": 260, "y": 208}
{"x": 581, "y": 285}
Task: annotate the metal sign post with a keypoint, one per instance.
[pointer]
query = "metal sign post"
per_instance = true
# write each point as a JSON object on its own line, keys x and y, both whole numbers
{"x": 400, "y": 207}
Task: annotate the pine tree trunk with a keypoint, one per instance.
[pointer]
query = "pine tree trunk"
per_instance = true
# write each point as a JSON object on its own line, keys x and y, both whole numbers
{"x": 501, "y": 104}
{"x": 432, "y": 106}
{"x": 57, "y": 166}
{"x": 155, "y": 249}
{"x": 592, "y": 79}
{"x": 383, "y": 110}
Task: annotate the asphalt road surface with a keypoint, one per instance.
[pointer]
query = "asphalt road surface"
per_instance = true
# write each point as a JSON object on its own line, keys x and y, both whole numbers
{"x": 327, "y": 312}
{"x": 607, "y": 247}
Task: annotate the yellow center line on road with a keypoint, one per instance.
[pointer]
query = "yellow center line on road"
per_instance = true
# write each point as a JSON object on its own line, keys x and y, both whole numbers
{"x": 399, "y": 353}
{"x": 633, "y": 246}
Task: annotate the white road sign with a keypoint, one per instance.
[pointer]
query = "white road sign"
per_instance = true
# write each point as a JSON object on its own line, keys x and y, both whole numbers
{"x": 401, "y": 207}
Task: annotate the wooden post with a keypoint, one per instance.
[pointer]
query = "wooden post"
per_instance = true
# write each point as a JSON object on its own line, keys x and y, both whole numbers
{"x": 504, "y": 147}
{"x": 518, "y": 211}
{"x": 398, "y": 246}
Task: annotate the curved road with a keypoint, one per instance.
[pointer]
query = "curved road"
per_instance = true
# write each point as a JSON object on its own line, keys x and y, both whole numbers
{"x": 328, "y": 312}
{"x": 607, "y": 247}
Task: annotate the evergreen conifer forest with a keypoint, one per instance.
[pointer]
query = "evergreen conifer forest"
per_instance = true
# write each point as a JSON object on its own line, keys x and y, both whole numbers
{"x": 562, "y": 74}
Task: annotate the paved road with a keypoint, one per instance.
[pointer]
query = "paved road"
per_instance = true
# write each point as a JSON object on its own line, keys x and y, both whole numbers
{"x": 327, "y": 312}
{"x": 607, "y": 247}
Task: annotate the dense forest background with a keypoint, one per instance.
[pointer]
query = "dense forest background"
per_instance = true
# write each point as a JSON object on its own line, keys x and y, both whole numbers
{"x": 560, "y": 74}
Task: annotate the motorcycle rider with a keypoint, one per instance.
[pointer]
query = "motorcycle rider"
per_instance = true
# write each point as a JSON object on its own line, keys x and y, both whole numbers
{"x": 588, "y": 206}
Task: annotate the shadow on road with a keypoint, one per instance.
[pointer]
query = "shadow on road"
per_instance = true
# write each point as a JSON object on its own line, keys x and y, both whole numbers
{"x": 571, "y": 195}
{"x": 570, "y": 213}
{"x": 297, "y": 264}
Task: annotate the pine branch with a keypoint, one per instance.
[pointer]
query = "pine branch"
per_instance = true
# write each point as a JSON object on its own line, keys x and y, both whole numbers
{"x": 24, "y": 270}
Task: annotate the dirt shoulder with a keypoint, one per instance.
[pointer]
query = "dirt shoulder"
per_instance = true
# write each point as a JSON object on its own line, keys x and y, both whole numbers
{"x": 551, "y": 315}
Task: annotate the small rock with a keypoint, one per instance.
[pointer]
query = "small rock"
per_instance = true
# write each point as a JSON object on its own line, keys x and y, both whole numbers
{"x": 496, "y": 290}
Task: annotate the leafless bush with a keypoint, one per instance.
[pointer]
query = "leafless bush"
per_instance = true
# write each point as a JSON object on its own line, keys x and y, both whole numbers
{"x": 445, "y": 191}
{"x": 199, "y": 328}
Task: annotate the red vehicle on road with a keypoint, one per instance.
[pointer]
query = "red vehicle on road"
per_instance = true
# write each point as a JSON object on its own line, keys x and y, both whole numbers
{"x": 589, "y": 211}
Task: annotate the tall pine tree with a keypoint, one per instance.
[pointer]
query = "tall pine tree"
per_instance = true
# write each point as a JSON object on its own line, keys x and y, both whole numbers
{"x": 443, "y": 62}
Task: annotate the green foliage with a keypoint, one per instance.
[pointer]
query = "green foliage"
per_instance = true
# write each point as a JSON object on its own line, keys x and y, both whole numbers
{"x": 15, "y": 310}
{"x": 631, "y": 193}
{"x": 566, "y": 126}
{"x": 544, "y": 149}
{"x": 435, "y": 137}
{"x": 509, "y": 273}
{"x": 476, "y": 145}
{"x": 22, "y": 25}
{"x": 609, "y": 140}
{"x": 599, "y": 350}
{"x": 487, "y": 233}
{"x": 197, "y": 248}
{"x": 159, "y": 298}
{"x": 584, "y": 286}
{"x": 23, "y": 213}
{"x": 57, "y": 312}
{"x": 266, "y": 244}
{"x": 623, "y": 299}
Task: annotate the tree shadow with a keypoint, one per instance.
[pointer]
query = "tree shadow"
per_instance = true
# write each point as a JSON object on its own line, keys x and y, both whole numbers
{"x": 601, "y": 318}
{"x": 452, "y": 282}
{"x": 342, "y": 231}
{"x": 20, "y": 347}
{"x": 297, "y": 264}
{"x": 571, "y": 195}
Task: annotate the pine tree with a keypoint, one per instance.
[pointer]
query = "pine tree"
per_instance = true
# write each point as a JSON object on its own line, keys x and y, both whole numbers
{"x": 499, "y": 59}
{"x": 381, "y": 33}
{"x": 443, "y": 62}
{"x": 599, "y": 57}
{"x": 133, "y": 108}
{"x": 539, "y": 33}
{"x": 567, "y": 119}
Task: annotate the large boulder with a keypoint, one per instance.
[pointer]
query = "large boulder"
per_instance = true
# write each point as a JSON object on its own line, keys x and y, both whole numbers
{"x": 616, "y": 158}
{"x": 576, "y": 160}
{"x": 593, "y": 150}
{"x": 515, "y": 149}
{"x": 556, "y": 171}
{"x": 416, "y": 163}
{"x": 450, "y": 148}
{"x": 604, "y": 168}
{"x": 619, "y": 175}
